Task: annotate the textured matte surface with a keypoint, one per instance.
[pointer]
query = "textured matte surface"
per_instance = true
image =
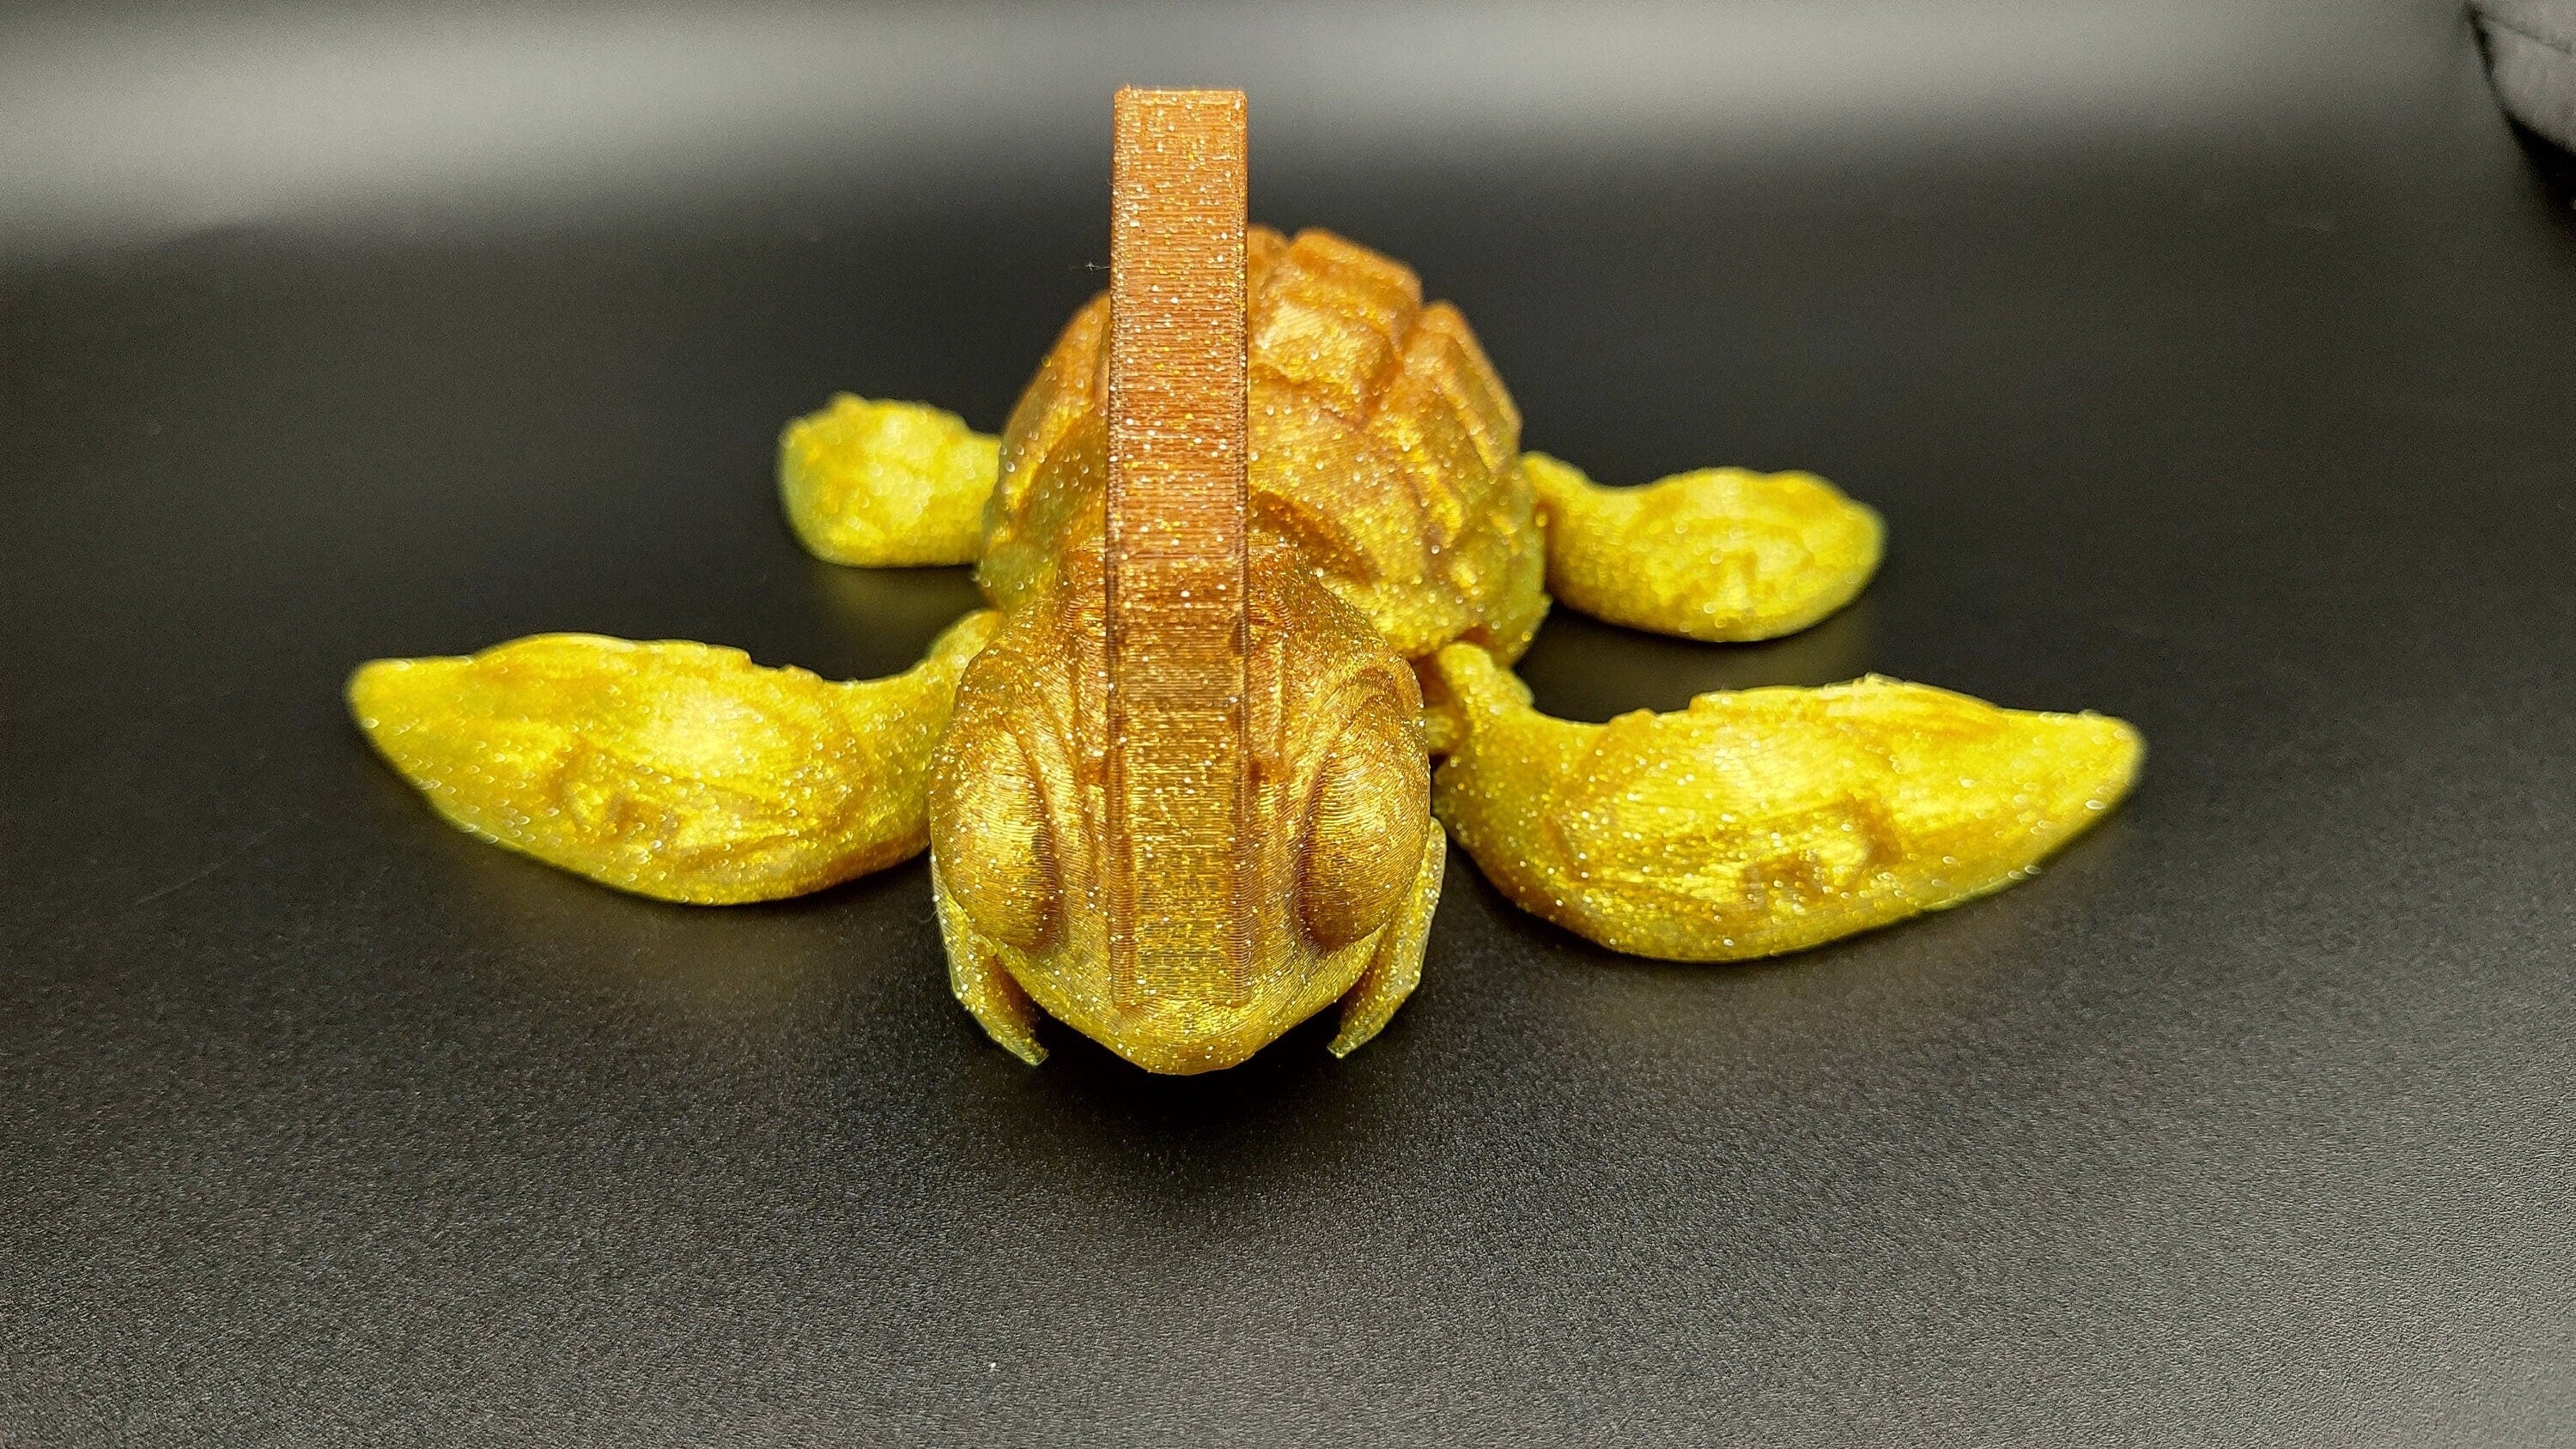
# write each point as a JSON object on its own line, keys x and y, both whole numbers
{"x": 2248, "y": 1121}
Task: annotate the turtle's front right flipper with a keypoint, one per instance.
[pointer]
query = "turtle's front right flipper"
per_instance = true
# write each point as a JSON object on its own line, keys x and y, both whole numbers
{"x": 887, "y": 484}
{"x": 1765, "y": 820}
{"x": 674, "y": 770}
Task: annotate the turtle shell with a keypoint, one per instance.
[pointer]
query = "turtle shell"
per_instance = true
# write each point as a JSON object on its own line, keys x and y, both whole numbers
{"x": 1384, "y": 450}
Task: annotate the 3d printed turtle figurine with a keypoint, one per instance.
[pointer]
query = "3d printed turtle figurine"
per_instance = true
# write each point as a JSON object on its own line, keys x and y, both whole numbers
{"x": 1177, "y": 783}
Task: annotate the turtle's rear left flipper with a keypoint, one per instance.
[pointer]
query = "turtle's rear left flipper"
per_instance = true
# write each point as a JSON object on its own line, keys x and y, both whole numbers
{"x": 1720, "y": 554}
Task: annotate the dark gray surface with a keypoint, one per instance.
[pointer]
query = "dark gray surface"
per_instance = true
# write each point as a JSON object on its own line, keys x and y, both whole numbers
{"x": 2247, "y": 1122}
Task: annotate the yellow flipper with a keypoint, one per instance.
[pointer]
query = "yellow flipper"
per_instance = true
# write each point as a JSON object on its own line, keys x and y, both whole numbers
{"x": 887, "y": 484}
{"x": 674, "y": 770}
{"x": 1767, "y": 820}
{"x": 1721, "y": 554}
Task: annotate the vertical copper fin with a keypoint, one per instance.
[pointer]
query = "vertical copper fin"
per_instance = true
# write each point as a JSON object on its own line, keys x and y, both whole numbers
{"x": 1178, "y": 622}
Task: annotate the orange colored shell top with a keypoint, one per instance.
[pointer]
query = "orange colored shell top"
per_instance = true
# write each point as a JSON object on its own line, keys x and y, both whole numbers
{"x": 1384, "y": 451}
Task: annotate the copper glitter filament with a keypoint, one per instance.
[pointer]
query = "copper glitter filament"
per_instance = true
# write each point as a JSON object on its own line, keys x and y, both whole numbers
{"x": 1178, "y": 625}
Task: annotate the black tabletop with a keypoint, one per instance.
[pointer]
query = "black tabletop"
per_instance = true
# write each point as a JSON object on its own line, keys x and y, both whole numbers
{"x": 2239, "y": 401}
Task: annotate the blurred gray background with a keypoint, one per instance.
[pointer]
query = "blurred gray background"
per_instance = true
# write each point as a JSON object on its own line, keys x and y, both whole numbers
{"x": 127, "y": 121}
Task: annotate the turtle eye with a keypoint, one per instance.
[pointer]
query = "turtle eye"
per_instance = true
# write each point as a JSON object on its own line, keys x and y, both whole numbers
{"x": 1364, "y": 835}
{"x": 989, "y": 831}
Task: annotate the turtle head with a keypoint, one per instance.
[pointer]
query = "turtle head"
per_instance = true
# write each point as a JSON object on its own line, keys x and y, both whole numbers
{"x": 1184, "y": 902}
{"x": 1185, "y": 792}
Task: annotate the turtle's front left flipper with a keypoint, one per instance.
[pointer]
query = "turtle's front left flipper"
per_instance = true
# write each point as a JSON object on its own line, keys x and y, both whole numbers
{"x": 887, "y": 484}
{"x": 1721, "y": 554}
{"x": 673, "y": 770}
{"x": 1766, "y": 820}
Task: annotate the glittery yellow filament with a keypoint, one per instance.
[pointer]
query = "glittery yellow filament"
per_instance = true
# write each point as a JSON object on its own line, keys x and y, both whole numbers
{"x": 1177, "y": 621}
{"x": 1177, "y": 784}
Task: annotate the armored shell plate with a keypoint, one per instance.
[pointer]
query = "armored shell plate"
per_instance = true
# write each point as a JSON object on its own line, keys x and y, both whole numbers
{"x": 1383, "y": 448}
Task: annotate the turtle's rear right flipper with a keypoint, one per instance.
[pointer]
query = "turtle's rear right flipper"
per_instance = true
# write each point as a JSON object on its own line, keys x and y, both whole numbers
{"x": 887, "y": 484}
